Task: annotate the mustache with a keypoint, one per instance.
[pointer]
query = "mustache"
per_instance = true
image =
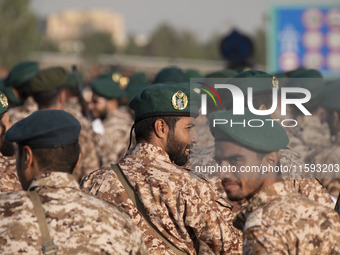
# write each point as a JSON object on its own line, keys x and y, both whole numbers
{"x": 231, "y": 181}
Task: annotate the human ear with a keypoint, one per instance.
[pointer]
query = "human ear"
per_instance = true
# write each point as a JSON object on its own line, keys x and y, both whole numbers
{"x": 161, "y": 129}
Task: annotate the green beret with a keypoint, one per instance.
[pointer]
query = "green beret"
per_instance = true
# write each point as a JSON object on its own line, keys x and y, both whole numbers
{"x": 188, "y": 74}
{"x": 260, "y": 81}
{"x": 137, "y": 83}
{"x": 167, "y": 99}
{"x": 265, "y": 138}
{"x": 45, "y": 129}
{"x": 105, "y": 87}
{"x": 291, "y": 73}
{"x": 329, "y": 96}
{"x": 47, "y": 79}
{"x": 170, "y": 74}
{"x": 226, "y": 73}
{"x": 21, "y": 73}
{"x": 71, "y": 81}
{"x": 310, "y": 79}
{"x": 8, "y": 91}
{"x": 3, "y": 103}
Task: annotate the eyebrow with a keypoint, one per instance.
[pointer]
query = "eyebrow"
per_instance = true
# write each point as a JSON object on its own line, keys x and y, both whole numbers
{"x": 232, "y": 157}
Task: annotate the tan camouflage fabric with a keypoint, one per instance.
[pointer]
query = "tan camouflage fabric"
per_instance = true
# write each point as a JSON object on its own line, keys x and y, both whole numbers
{"x": 9, "y": 181}
{"x": 78, "y": 223}
{"x": 90, "y": 159}
{"x": 308, "y": 187}
{"x": 206, "y": 139}
{"x": 181, "y": 206}
{"x": 21, "y": 112}
{"x": 113, "y": 145}
{"x": 279, "y": 221}
{"x": 331, "y": 157}
{"x": 314, "y": 132}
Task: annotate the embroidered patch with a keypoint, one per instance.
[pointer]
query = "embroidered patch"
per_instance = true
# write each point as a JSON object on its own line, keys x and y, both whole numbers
{"x": 179, "y": 100}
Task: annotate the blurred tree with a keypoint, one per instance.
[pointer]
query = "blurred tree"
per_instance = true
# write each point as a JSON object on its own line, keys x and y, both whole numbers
{"x": 211, "y": 47}
{"x": 132, "y": 48}
{"x": 97, "y": 43}
{"x": 18, "y": 36}
{"x": 163, "y": 42}
{"x": 47, "y": 45}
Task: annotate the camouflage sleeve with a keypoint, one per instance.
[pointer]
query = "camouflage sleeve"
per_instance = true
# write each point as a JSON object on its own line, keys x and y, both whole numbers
{"x": 259, "y": 241}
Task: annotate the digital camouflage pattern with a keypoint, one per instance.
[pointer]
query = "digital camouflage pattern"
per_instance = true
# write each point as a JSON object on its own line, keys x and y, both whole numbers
{"x": 280, "y": 221}
{"x": 182, "y": 207}
{"x": 308, "y": 187}
{"x": 78, "y": 223}
{"x": 89, "y": 156}
{"x": 9, "y": 181}
{"x": 21, "y": 112}
{"x": 330, "y": 156}
{"x": 115, "y": 141}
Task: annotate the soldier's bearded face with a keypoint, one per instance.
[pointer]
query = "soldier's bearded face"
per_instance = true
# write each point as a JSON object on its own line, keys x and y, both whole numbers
{"x": 6, "y": 148}
{"x": 98, "y": 107}
{"x": 179, "y": 141}
{"x": 238, "y": 185}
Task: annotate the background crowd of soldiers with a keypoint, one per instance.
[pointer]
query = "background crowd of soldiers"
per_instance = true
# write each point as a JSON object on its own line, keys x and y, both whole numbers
{"x": 156, "y": 205}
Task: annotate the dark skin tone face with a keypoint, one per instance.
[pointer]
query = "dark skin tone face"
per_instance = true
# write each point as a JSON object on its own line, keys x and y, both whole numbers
{"x": 239, "y": 186}
{"x": 98, "y": 107}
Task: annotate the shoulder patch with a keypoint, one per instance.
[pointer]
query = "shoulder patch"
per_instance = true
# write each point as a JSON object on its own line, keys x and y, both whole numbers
{"x": 254, "y": 219}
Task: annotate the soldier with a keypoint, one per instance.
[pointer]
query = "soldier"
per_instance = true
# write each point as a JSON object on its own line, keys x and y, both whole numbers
{"x": 55, "y": 216}
{"x": 17, "y": 85}
{"x": 262, "y": 84}
{"x": 171, "y": 74}
{"x": 9, "y": 181}
{"x": 116, "y": 120}
{"x": 277, "y": 220}
{"x": 175, "y": 212}
{"x": 329, "y": 155}
{"x": 310, "y": 133}
{"x": 48, "y": 88}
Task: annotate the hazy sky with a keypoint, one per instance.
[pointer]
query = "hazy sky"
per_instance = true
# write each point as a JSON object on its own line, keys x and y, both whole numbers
{"x": 201, "y": 16}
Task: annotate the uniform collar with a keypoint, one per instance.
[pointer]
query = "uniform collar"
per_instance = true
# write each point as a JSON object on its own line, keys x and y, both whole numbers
{"x": 266, "y": 195}
{"x": 55, "y": 180}
{"x": 149, "y": 151}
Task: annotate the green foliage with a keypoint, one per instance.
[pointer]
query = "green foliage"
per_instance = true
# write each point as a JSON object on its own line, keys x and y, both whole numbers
{"x": 166, "y": 41}
{"x": 18, "y": 35}
{"x": 97, "y": 43}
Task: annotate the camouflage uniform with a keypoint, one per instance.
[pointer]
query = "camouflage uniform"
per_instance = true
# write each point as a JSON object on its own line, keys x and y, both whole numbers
{"x": 205, "y": 137}
{"x": 78, "y": 223}
{"x": 328, "y": 156}
{"x": 308, "y": 187}
{"x": 21, "y": 112}
{"x": 115, "y": 141}
{"x": 180, "y": 206}
{"x": 9, "y": 181}
{"x": 278, "y": 221}
{"x": 89, "y": 160}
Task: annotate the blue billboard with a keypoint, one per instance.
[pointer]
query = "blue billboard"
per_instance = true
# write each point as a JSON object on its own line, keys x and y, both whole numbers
{"x": 305, "y": 35}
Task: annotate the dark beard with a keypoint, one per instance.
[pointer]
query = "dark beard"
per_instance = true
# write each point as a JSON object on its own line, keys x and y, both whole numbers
{"x": 7, "y": 149}
{"x": 176, "y": 150}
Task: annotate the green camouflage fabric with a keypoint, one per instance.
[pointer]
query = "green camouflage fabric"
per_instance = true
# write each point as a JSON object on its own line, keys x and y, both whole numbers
{"x": 308, "y": 187}
{"x": 89, "y": 157}
{"x": 182, "y": 207}
{"x": 330, "y": 156}
{"x": 9, "y": 181}
{"x": 78, "y": 223}
{"x": 280, "y": 221}
{"x": 115, "y": 141}
{"x": 21, "y": 112}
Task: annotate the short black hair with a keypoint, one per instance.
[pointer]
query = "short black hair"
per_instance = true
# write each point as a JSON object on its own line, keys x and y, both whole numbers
{"x": 61, "y": 159}
{"x": 48, "y": 98}
{"x": 145, "y": 127}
